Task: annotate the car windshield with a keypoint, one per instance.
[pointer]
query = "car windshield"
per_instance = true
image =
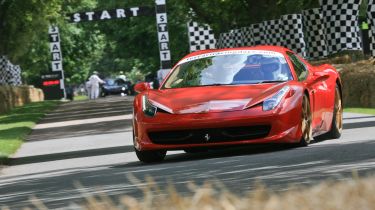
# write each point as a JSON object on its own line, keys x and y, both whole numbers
{"x": 230, "y": 68}
{"x": 110, "y": 82}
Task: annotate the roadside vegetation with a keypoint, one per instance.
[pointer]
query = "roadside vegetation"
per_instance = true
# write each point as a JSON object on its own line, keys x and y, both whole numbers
{"x": 361, "y": 110}
{"x": 351, "y": 194}
{"x": 80, "y": 98}
{"x": 17, "y": 124}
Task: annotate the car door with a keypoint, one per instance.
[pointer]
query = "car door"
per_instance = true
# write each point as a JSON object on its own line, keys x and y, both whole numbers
{"x": 315, "y": 88}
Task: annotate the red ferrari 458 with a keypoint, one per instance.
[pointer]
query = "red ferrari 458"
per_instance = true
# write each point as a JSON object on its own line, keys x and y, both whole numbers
{"x": 239, "y": 96}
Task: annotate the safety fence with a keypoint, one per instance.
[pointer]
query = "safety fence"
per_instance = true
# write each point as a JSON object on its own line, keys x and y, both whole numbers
{"x": 315, "y": 33}
{"x": 9, "y": 74}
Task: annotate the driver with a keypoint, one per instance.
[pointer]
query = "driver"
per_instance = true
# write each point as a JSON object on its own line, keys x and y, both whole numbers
{"x": 250, "y": 71}
{"x": 272, "y": 70}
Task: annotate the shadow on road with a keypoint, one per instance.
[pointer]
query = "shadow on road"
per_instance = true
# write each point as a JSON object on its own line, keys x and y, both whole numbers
{"x": 366, "y": 124}
{"x": 237, "y": 169}
{"x": 70, "y": 155}
{"x": 85, "y": 110}
{"x": 100, "y": 128}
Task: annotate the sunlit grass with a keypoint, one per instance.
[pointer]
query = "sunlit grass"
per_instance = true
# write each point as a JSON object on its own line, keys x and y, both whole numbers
{"x": 17, "y": 124}
{"x": 80, "y": 98}
{"x": 361, "y": 110}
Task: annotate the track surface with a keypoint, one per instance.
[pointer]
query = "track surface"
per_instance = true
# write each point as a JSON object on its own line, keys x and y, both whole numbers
{"x": 89, "y": 143}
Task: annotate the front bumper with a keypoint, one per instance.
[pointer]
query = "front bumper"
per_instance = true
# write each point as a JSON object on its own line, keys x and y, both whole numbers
{"x": 284, "y": 126}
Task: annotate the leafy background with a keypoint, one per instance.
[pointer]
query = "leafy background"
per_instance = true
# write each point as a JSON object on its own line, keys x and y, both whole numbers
{"x": 111, "y": 46}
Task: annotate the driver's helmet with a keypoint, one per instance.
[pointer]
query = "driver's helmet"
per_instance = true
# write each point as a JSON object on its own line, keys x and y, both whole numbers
{"x": 271, "y": 68}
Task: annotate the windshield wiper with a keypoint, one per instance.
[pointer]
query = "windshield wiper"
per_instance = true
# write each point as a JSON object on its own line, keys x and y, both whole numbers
{"x": 214, "y": 84}
{"x": 271, "y": 81}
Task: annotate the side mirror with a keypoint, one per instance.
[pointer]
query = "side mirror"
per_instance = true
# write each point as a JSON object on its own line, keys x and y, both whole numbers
{"x": 141, "y": 87}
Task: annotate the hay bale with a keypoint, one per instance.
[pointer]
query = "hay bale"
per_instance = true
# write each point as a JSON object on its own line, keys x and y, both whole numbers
{"x": 18, "y": 96}
{"x": 359, "y": 84}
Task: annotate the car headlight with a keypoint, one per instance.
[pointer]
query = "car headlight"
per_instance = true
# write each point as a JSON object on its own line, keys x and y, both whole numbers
{"x": 272, "y": 102}
{"x": 147, "y": 108}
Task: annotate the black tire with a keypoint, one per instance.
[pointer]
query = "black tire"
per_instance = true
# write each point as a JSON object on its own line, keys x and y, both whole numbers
{"x": 337, "y": 121}
{"x": 151, "y": 156}
{"x": 306, "y": 122}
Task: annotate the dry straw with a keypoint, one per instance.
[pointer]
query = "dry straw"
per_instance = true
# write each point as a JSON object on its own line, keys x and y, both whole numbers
{"x": 351, "y": 194}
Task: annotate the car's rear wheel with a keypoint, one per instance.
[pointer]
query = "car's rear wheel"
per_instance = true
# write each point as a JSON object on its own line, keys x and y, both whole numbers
{"x": 306, "y": 122}
{"x": 337, "y": 121}
{"x": 152, "y": 156}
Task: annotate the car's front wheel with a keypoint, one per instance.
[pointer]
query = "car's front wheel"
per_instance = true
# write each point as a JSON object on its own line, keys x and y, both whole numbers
{"x": 151, "y": 156}
{"x": 306, "y": 122}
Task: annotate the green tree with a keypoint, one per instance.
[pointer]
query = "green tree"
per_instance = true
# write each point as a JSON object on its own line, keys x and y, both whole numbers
{"x": 21, "y": 22}
{"x": 117, "y": 45}
{"x": 81, "y": 47}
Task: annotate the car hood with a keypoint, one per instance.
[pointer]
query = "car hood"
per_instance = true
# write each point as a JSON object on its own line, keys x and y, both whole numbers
{"x": 212, "y": 98}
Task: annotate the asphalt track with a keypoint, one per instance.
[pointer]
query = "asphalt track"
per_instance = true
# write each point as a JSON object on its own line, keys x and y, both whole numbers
{"x": 84, "y": 148}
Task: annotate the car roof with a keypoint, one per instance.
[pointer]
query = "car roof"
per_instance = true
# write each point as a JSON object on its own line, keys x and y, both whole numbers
{"x": 259, "y": 47}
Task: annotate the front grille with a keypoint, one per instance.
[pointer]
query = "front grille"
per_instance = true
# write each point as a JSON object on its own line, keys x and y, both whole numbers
{"x": 210, "y": 135}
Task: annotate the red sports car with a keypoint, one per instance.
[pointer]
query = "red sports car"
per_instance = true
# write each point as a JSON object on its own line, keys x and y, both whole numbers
{"x": 239, "y": 96}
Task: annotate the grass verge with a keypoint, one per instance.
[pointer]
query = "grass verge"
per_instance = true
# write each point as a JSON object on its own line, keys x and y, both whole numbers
{"x": 361, "y": 110}
{"x": 80, "y": 98}
{"x": 17, "y": 124}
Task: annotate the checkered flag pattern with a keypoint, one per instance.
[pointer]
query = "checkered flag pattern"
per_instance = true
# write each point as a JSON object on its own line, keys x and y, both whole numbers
{"x": 3, "y": 67}
{"x": 273, "y": 32}
{"x": 372, "y": 42}
{"x": 257, "y": 33}
{"x": 237, "y": 37}
{"x": 247, "y": 36}
{"x": 340, "y": 19}
{"x": 16, "y": 76}
{"x": 293, "y": 33}
{"x": 371, "y": 18}
{"x": 226, "y": 40}
{"x": 201, "y": 37}
{"x": 314, "y": 33}
{"x": 9, "y": 73}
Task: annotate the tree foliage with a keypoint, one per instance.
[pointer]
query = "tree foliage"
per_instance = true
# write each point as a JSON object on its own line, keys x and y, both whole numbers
{"x": 22, "y": 21}
{"x": 128, "y": 45}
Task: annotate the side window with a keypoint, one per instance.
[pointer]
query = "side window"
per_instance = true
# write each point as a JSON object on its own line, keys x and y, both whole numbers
{"x": 299, "y": 67}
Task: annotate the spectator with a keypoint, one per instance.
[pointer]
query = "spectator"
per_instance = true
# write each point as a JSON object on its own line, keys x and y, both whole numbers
{"x": 152, "y": 80}
{"x": 69, "y": 92}
{"x": 88, "y": 88}
{"x": 95, "y": 82}
{"x": 122, "y": 76}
